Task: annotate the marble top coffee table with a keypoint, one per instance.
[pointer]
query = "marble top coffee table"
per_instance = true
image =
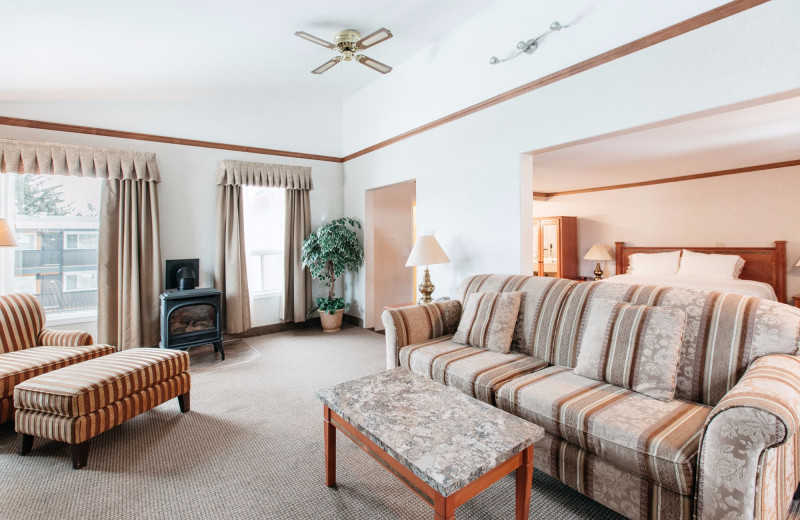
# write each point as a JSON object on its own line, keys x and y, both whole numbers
{"x": 446, "y": 446}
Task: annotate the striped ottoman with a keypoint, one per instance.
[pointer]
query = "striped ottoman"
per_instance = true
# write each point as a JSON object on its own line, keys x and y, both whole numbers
{"x": 75, "y": 403}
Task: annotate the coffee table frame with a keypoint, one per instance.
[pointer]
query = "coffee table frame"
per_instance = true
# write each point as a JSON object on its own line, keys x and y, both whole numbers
{"x": 444, "y": 507}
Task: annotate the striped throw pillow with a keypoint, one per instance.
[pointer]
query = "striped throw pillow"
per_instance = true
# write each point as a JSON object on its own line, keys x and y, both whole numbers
{"x": 488, "y": 320}
{"x": 632, "y": 346}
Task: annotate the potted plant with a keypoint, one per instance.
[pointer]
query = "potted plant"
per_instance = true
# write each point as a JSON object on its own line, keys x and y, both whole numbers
{"x": 328, "y": 252}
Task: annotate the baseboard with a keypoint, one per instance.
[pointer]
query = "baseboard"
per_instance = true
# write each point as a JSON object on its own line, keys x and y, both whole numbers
{"x": 353, "y": 320}
{"x": 274, "y": 328}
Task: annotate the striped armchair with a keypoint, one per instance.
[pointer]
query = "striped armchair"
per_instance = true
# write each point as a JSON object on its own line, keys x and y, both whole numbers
{"x": 27, "y": 349}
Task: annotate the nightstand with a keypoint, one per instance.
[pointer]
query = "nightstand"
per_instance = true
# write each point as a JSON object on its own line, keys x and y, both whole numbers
{"x": 796, "y": 299}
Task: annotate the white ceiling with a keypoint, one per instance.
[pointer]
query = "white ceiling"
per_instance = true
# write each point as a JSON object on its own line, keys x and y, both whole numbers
{"x": 202, "y": 49}
{"x": 761, "y": 134}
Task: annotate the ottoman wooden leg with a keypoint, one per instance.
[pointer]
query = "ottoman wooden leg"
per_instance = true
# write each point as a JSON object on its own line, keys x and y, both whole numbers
{"x": 184, "y": 402}
{"x": 25, "y": 443}
{"x": 80, "y": 453}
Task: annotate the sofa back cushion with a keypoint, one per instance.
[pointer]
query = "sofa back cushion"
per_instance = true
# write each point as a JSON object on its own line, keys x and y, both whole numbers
{"x": 540, "y": 306}
{"x": 724, "y": 332}
{"x": 21, "y": 320}
{"x": 489, "y": 320}
{"x": 633, "y": 346}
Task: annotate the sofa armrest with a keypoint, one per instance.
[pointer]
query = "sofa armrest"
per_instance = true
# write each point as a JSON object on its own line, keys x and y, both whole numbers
{"x": 416, "y": 323}
{"x": 64, "y": 338}
{"x": 761, "y": 411}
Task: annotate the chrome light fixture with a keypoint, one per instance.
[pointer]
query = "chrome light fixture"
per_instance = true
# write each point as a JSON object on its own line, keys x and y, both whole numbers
{"x": 528, "y": 47}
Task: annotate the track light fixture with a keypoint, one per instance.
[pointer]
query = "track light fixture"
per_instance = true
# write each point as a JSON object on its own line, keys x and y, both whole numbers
{"x": 529, "y": 46}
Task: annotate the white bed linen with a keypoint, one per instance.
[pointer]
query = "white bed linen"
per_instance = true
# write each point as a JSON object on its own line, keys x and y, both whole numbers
{"x": 749, "y": 287}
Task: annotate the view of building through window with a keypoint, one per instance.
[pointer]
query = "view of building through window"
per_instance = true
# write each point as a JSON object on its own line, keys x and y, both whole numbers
{"x": 56, "y": 220}
{"x": 264, "y": 216}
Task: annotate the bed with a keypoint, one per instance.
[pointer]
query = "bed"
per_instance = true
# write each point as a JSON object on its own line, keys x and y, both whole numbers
{"x": 763, "y": 275}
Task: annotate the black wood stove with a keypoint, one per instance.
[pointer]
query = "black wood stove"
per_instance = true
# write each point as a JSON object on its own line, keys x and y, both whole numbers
{"x": 190, "y": 318}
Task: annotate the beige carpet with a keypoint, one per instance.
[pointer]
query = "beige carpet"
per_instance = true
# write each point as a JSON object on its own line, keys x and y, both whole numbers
{"x": 251, "y": 448}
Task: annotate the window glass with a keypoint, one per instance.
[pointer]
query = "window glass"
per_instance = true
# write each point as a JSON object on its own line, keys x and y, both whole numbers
{"x": 56, "y": 221}
{"x": 264, "y": 217}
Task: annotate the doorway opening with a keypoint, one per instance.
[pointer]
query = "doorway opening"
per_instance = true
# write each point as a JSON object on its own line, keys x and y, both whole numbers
{"x": 389, "y": 233}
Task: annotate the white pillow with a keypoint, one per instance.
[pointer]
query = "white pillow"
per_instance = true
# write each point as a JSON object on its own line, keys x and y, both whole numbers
{"x": 725, "y": 267}
{"x": 654, "y": 263}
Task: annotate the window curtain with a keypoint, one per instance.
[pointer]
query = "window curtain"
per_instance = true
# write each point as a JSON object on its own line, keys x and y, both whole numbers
{"x": 129, "y": 251}
{"x": 230, "y": 271}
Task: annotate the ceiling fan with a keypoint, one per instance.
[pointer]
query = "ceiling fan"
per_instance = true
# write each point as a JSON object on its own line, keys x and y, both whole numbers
{"x": 348, "y": 43}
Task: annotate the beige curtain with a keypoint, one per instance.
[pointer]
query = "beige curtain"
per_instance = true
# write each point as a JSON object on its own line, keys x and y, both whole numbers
{"x": 129, "y": 264}
{"x": 231, "y": 265}
{"x": 297, "y": 280}
{"x": 230, "y": 268}
{"x": 129, "y": 252}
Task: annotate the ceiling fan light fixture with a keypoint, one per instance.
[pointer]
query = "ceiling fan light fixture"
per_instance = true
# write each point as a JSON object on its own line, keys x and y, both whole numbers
{"x": 348, "y": 42}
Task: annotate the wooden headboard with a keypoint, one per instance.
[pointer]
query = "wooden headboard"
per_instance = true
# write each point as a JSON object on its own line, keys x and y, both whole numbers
{"x": 762, "y": 264}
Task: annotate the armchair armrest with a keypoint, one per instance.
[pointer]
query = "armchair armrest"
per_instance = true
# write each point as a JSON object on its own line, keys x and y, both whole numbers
{"x": 64, "y": 338}
{"x": 761, "y": 411}
{"x": 416, "y": 323}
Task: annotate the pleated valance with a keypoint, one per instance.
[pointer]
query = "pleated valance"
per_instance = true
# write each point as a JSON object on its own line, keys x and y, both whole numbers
{"x": 79, "y": 161}
{"x": 263, "y": 174}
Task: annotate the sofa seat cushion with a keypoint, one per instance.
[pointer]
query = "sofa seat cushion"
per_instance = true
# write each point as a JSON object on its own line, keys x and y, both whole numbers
{"x": 81, "y": 389}
{"x": 21, "y": 365}
{"x": 475, "y": 371}
{"x": 654, "y": 439}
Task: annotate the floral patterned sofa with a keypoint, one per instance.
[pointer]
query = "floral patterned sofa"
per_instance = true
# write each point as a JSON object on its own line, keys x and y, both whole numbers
{"x": 27, "y": 349}
{"x": 726, "y": 445}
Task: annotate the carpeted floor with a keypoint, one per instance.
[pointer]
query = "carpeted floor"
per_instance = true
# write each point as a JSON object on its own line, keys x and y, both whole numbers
{"x": 251, "y": 448}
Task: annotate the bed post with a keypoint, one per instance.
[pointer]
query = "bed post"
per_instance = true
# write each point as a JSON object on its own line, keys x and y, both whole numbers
{"x": 620, "y": 257}
{"x": 780, "y": 270}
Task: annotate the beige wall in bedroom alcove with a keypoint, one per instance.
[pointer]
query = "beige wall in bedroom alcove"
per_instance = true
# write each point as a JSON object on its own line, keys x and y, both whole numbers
{"x": 747, "y": 209}
{"x": 388, "y": 239}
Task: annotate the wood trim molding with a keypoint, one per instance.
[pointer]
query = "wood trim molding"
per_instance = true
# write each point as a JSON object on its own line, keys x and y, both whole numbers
{"x": 61, "y": 127}
{"x": 680, "y": 28}
{"x": 733, "y": 171}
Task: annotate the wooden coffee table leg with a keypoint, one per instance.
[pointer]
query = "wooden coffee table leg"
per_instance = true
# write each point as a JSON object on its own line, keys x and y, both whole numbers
{"x": 443, "y": 508}
{"x": 524, "y": 482}
{"x": 330, "y": 449}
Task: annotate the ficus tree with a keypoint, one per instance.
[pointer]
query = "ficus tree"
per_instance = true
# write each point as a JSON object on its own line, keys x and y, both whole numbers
{"x": 330, "y": 251}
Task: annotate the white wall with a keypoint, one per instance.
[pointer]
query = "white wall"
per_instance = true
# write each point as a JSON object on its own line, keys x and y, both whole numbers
{"x": 744, "y": 210}
{"x": 468, "y": 171}
{"x": 454, "y": 72}
{"x": 187, "y": 193}
{"x": 308, "y": 127}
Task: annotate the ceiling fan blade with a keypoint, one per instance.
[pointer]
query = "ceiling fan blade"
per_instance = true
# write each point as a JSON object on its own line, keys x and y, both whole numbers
{"x": 314, "y": 39}
{"x": 375, "y": 65}
{"x": 375, "y": 38}
{"x": 327, "y": 65}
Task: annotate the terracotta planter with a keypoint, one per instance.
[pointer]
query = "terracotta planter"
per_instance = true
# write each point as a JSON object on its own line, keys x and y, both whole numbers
{"x": 331, "y": 322}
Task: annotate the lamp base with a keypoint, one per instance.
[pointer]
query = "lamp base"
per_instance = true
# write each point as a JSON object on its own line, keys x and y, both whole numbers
{"x": 426, "y": 287}
{"x": 598, "y": 273}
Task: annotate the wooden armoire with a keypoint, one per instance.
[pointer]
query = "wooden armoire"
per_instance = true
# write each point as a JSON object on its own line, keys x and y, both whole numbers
{"x": 555, "y": 247}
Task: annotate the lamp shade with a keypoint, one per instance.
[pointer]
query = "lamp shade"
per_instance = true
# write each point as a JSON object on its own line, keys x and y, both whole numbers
{"x": 598, "y": 252}
{"x": 798, "y": 263}
{"x": 426, "y": 251}
{"x": 7, "y": 237}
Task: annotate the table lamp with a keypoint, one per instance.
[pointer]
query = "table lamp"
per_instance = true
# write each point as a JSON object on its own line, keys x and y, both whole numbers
{"x": 598, "y": 252}
{"x": 7, "y": 237}
{"x": 426, "y": 251}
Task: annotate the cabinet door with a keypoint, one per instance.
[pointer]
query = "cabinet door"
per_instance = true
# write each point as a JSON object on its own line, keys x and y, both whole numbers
{"x": 537, "y": 247}
{"x": 550, "y": 247}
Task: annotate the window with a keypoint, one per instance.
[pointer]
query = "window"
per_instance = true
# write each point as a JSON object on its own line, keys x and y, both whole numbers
{"x": 81, "y": 240}
{"x": 56, "y": 221}
{"x": 80, "y": 281}
{"x": 264, "y": 216}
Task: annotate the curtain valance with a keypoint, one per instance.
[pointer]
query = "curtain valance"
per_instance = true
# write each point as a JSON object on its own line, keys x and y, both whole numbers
{"x": 79, "y": 161}
{"x": 263, "y": 174}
